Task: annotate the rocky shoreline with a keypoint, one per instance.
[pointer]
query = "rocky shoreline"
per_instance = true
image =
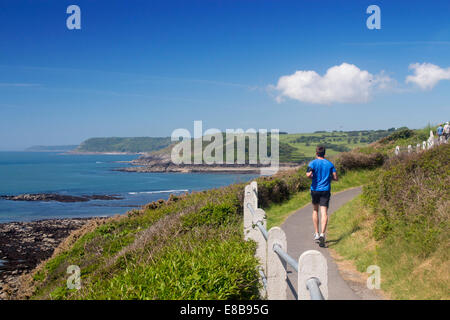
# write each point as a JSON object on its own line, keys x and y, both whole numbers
{"x": 191, "y": 169}
{"x": 162, "y": 163}
{"x": 58, "y": 197}
{"x": 23, "y": 245}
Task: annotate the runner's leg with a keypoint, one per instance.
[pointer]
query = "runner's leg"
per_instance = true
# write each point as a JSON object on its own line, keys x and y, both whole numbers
{"x": 315, "y": 217}
{"x": 324, "y": 218}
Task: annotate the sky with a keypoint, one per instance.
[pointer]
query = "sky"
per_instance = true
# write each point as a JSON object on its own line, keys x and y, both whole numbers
{"x": 146, "y": 68}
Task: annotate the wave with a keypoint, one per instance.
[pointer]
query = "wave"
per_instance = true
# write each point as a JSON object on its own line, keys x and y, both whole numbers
{"x": 159, "y": 191}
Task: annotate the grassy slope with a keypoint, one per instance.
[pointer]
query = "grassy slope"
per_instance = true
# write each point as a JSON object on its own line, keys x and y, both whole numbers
{"x": 400, "y": 223}
{"x": 304, "y": 144}
{"x": 186, "y": 248}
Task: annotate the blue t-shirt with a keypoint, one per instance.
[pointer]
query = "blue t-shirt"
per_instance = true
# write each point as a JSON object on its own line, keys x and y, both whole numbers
{"x": 322, "y": 174}
{"x": 440, "y": 131}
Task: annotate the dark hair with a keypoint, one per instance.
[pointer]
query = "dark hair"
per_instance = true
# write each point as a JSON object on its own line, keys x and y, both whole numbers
{"x": 320, "y": 151}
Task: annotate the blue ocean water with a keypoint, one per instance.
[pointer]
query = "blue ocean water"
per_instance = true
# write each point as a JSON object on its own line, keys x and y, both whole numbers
{"x": 47, "y": 172}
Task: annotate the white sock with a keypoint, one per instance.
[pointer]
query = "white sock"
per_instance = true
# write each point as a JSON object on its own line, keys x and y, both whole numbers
{"x": 322, "y": 235}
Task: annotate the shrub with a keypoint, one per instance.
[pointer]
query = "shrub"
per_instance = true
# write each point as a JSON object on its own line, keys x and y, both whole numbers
{"x": 357, "y": 160}
{"x": 272, "y": 190}
{"x": 400, "y": 134}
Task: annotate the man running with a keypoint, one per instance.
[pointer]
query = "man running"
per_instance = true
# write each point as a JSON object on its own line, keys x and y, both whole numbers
{"x": 446, "y": 130}
{"x": 321, "y": 172}
{"x": 440, "y": 132}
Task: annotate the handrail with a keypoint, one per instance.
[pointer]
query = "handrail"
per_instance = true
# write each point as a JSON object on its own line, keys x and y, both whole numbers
{"x": 263, "y": 230}
{"x": 286, "y": 257}
{"x": 259, "y": 223}
{"x": 312, "y": 283}
{"x": 263, "y": 277}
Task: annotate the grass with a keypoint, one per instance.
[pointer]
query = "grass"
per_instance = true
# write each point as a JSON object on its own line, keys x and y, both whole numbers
{"x": 277, "y": 213}
{"x": 405, "y": 274}
{"x": 197, "y": 265}
{"x": 304, "y": 144}
{"x": 188, "y": 247}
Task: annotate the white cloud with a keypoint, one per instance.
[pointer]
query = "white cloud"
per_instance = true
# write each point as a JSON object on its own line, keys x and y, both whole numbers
{"x": 427, "y": 75}
{"x": 345, "y": 83}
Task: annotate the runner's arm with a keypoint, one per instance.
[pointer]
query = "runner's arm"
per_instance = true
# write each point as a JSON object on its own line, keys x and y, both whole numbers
{"x": 334, "y": 174}
{"x": 309, "y": 172}
{"x": 335, "y": 177}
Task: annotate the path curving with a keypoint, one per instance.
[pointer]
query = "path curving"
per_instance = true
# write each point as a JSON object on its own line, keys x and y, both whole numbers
{"x": 299, "y": 232}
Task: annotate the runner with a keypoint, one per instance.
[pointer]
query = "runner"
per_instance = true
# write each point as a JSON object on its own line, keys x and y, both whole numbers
{"x": 440, "y": 132}
{"x": 321, "y": 172}
{"x": 446, "y": 130}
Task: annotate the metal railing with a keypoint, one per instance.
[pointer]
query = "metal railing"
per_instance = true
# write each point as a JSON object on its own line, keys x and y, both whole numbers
{"x": 283, "y": 255}
{"x": 311, "y": 266}
{"x": 313, "y": 285}
{"x": 259, "y": 223}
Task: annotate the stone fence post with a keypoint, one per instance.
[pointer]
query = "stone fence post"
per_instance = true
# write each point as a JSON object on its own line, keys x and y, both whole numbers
{"x": 254, "y": 187}
{"x": 256, "y": 234}
{"x": 312, "y": 264}
{"x": 248, "y": 219}
{"x": 276, "y": 267}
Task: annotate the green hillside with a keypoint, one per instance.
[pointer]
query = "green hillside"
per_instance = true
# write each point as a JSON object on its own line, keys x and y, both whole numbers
{"x": 132, "y": 145}
{"x": 297, "y": 148}
{"x": 302, "y": 146}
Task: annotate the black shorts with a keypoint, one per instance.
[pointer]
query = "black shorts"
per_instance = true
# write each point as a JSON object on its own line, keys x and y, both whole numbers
{"x": 322, "y": 198}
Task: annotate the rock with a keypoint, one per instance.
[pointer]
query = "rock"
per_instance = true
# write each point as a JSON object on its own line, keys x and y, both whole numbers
{"x": 23, "y": 245}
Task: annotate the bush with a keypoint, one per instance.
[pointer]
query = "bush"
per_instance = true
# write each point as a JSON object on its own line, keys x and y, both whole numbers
{"x": 357, "y": 160}
{"x": 272, "y": 190}
{"x": 279, "y": 189}
{"x": 397, "y": 135}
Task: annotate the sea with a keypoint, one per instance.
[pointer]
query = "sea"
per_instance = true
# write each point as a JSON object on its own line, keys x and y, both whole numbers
{"x": 52, "y": 172}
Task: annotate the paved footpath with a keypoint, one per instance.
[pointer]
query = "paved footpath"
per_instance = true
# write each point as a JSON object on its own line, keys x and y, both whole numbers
{"x": 299, "y": 232}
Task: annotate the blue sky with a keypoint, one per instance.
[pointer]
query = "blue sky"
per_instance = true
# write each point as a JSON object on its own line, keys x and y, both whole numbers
{"x": 145, "y": 68}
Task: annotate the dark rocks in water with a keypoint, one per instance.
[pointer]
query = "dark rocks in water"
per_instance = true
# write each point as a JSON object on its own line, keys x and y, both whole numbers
{"x": 58, "y": 197}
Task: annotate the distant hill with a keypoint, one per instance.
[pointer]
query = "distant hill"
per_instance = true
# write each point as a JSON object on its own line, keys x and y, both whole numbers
{"x": 131, "y": 145}
{"x": 294, "y": 148}
{"x": 65, "y": 148}
{"x": 299, "y": 147}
